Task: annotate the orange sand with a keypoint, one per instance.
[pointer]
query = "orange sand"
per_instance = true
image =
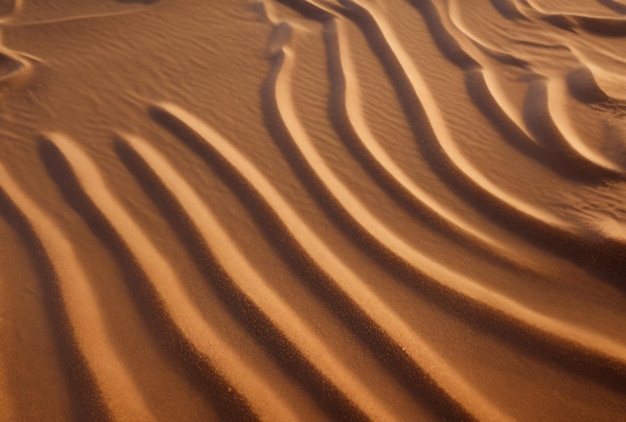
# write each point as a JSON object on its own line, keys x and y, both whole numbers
{"x": 312, "y": 210}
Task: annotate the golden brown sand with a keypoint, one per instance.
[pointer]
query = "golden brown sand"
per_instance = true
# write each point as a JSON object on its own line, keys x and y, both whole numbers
{"x": 313, "y": 210}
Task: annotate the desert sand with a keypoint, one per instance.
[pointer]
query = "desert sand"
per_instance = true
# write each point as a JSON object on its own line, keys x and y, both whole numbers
{"x": 387, "y": 210}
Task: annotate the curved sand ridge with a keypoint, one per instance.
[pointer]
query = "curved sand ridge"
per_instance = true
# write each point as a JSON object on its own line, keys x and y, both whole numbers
{"x": 416, "y": 216}
{"x": 14, "y": 67}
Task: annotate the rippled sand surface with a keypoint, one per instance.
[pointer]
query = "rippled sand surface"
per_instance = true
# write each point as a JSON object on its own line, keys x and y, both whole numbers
{"x": 312, "y": 210}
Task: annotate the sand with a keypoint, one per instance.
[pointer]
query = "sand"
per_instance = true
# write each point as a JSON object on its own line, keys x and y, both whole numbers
{"x": 312, "y": 210}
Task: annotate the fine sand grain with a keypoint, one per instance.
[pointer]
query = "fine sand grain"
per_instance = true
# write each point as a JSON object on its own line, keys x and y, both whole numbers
{"x": 312, "y": 210}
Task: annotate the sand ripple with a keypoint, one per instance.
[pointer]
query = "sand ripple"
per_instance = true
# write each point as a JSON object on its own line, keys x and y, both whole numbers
{"x": 418, "y": 214}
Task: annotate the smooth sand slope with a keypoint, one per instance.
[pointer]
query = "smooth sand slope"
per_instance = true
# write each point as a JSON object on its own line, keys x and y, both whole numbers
{"x": 312, "y": 210}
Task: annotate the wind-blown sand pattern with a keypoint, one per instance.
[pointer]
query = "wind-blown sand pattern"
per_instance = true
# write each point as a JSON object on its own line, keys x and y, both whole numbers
{"x": 313, "y": 210}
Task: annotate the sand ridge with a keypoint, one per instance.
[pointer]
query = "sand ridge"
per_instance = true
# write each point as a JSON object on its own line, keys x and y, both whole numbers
{"x": 313, "y": 210}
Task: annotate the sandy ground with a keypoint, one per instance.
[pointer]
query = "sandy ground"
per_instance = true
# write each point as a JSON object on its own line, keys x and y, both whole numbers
{"x": 313, "y": 210}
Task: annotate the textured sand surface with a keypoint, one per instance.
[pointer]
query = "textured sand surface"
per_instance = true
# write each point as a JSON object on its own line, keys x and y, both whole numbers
{"x": 312, "y": 210}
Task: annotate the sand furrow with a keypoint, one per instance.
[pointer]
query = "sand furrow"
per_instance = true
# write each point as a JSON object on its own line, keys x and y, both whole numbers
{"x": 355, "y": 301}
{"x": 219, "y": 369}
{"x": 14, "y": 70}
{"x": 565, "y": 154}
{"x": 545, "y": 118}
{"x": 10, "y": 8}
{"x": 487, "y": 98}
{"x": 446, "y": 42}
{"x": 583, "y": 86}
{"x": 538, "y": 226}
{"x": 549, "y": 125}
{"x": 553, "y": 335}
{"x": 273, "y": 321}
{"x": 413, "y": 90}
{"x": 312, "y": 210}
{"x": 482, "y": 91}
{"x": 346, "y": 111}
{"x": 508, "y": 9}
{"x": 615, "y": 5}
{"x": 602, "y": 25}
{"x": 97, "y": 377}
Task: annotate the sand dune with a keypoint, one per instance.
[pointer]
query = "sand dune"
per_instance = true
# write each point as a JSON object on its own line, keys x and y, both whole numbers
{"x": 313, "y": 210}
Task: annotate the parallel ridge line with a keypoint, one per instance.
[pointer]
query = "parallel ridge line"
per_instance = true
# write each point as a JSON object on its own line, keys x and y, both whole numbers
{"x": 266, "y": 314}
{"x": 412, "y": 360}
{"x": 576, "y": 348}
{"x": 211, "y": 362}
{"x": 566, "y": 155}
{"x": 73, "y": 310}
{"x": 553, "y": 234}
{"x": 346, "y": 112}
